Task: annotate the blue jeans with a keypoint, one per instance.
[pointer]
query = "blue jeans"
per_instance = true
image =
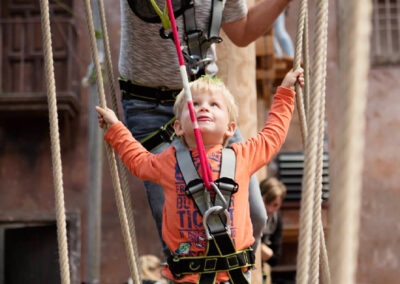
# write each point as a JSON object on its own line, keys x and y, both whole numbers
{"x": 143, "y": 118}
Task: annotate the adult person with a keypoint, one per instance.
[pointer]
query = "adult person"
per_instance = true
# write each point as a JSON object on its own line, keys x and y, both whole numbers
{"x": 149, "y": 70}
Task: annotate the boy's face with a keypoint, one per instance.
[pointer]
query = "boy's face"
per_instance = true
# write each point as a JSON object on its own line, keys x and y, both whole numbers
{"x": 212, "y": 117}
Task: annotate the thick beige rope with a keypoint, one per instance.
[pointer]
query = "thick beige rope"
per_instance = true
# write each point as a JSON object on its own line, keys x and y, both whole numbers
{"x": 347, "y": 159}
{"x": 55, "y": 143}
{"x": 296, "y": 64}
{"x": 302, "y": 264}
{"x": 309, "y": 236}
{"x": 123, "y": 170}
{"x": 317, "y": 229}
{"x": 324, "y": 263}
{"x": 132, "y": 261}
{"x": 107, "y": 54}
{"x": 306, "y": 66}
{"x": 325, "y": 272}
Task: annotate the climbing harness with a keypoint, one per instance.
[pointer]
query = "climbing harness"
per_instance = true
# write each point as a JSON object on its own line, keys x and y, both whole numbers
{"x": 159, "y": 95}
{"x": 197, "y": 41}
{"x": 165, "y": 133}
{"x": 163, "y": 96}
{"x": 221, "y": 254}
{"x": 148, "y": 10}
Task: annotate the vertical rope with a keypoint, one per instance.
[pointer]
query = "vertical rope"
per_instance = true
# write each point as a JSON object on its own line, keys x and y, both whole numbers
{"x": 133, "y": 266}
{"x": 107, "y": 56}
{"x": 307, "y": 214}
{"x": 324, "y": 263}
{"x": 306, "y": 61}
{"x": 322, "y": 13}
{"x": 55, "y": 143}
{"x": 296, "y": 64}
{"x": 123, "y": 170}
{"x": 325, "y": 272}
{"x": 347, "y": 160}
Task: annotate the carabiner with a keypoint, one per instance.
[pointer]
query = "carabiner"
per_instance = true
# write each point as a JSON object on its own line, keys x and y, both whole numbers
{"x": 215, "y": 210}
{"x": 218, "y": 192}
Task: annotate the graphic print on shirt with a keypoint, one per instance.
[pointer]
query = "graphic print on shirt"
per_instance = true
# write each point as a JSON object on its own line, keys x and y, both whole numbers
{"x": 190, "y": 220}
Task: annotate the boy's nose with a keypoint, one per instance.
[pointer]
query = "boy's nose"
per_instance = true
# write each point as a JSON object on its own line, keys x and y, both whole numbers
{"x": 204, "y": 107}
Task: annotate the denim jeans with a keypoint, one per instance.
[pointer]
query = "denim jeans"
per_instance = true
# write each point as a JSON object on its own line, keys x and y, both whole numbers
{"x": 143, "y": 118}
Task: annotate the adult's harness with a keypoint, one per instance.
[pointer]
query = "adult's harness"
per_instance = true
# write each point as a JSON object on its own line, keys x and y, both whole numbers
{"x": 197, "y": 41}
{"x": 221, "y": 254}
{"x": 165, "y": 96}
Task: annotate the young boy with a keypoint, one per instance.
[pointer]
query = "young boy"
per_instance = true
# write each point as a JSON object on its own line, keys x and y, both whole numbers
{"x": 216, "y": 114}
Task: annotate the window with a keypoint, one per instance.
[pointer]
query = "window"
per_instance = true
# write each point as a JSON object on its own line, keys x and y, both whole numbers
{"x": 22, "y": 81}
{"x": 385, "y": 47}
{"x": 290, "y": 166}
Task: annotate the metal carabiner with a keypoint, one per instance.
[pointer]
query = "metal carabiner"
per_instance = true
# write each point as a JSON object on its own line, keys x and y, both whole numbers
{"x": 218, "y": 192}
{"x": 204, "y": 60}
{"x": 215, "y": 210}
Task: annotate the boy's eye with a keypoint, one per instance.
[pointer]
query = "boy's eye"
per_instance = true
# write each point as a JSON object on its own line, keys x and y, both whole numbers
{"x": 195, "y": 104}
{"x": 214, "y": 104}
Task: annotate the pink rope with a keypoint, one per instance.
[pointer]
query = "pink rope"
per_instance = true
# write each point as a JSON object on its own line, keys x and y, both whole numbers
{"x": 205, "y": 168}
{"x": 175, "y": 33}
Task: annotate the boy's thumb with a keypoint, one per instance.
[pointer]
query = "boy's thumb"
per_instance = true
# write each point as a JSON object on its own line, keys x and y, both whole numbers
{"x": 99, "y": 110}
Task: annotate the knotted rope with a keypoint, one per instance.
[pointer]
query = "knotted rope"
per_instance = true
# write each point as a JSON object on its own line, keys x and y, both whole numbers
{"x": 55, "y": 143}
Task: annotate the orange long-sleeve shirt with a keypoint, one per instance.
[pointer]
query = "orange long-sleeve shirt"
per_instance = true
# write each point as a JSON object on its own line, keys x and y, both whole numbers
{"x": 182, "y": 227}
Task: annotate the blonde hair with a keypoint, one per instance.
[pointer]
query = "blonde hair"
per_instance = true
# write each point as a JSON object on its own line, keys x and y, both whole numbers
{"x": 213, "y": 85}
{"x": 271, "y": 188}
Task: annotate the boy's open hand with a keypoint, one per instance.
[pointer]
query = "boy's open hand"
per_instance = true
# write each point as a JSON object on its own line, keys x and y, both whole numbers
{"x": 106, "y": 116}
{"x": 292, "y": 77}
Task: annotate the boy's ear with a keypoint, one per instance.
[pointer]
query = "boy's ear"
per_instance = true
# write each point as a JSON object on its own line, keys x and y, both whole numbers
{"x": 178, "y": 128}
{"x": 230, "y": 129}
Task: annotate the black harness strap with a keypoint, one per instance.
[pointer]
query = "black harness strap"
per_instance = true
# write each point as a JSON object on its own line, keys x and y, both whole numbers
{"x": 222, "y": 244}
{"x": 159, "y": 95}
{"x": 188, "y": 265}
{"x": 221, "y": 253}
{"x": 145, "y": 11}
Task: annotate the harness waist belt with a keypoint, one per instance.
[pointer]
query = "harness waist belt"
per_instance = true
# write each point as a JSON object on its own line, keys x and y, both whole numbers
{"x": 131, "y": 90}
{"x": 165, "y": 133}
{"x": 180, "y": 266}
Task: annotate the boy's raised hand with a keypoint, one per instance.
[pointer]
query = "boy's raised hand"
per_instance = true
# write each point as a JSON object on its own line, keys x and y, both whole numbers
{"x": 292, "y": 77}
{"x": 106, "y": 115}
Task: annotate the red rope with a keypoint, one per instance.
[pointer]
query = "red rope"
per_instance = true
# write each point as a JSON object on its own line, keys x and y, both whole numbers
{"x": 205, "y": 168}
